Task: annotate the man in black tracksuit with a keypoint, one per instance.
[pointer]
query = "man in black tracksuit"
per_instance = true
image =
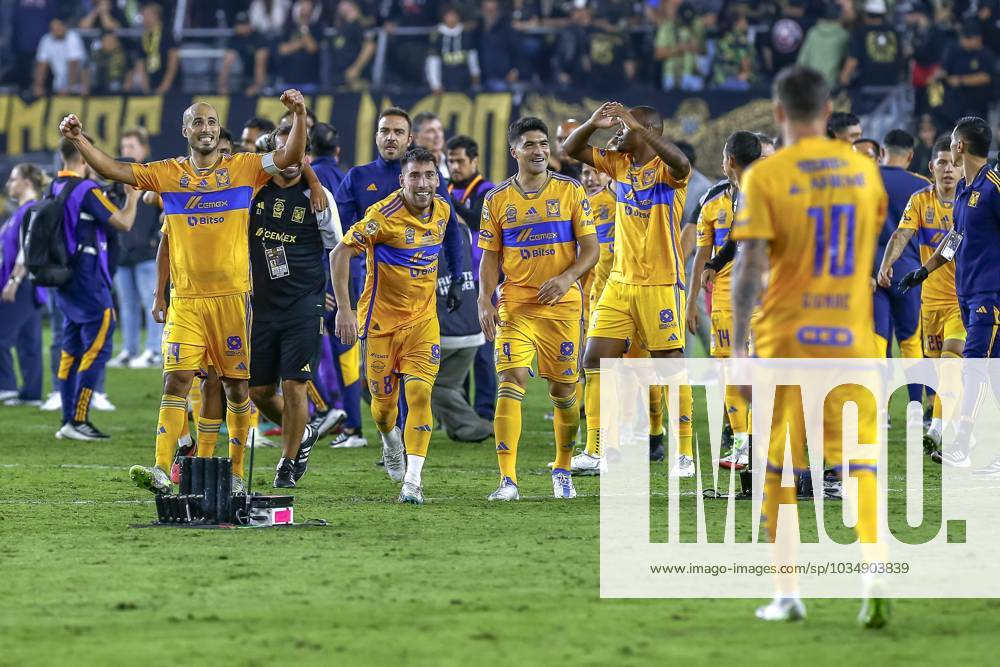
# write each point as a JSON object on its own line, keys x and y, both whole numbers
{"x": 286, "y": 262}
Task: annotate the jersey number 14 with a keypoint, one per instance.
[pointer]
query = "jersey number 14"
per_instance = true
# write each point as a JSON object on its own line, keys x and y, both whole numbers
{"x": 834, "y": 240}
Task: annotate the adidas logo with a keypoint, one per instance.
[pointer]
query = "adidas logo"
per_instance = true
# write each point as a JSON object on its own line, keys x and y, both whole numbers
{"x": 672, "y": 337}
{"x": 422, "y": 427}
{"x": 502, "y": 447}
{"x": 241, "y": 366}
{"x": 305, "y": 369}
{"x": 981, "y": 310}
{"x": 161, "y": 430}
{"x": 372, "y": 188}
{"x": 568, "y": 371}
{"x": 531, "y": 211}
{"x": 234, "y": 441}
{"x": 376, "y": 327}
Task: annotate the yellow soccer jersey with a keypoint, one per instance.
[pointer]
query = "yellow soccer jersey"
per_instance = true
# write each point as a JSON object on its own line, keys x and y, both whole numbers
{"x": 401, "y": 256}
{"x": 714, "y": 223}
{"x": 931, "y": 219}
{"x": 535, "y": 234}
{"x": 206, "y": 214}
{"x": 647, "y": 221}
{"x": 821, "y": 207}
{"x": 603, "y": 205}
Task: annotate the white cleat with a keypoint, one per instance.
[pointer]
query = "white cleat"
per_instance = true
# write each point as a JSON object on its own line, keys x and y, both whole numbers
{"x": 146, "y": 359}
{"x": 562, "y": 484}
{"x": 8, "y": 394}
{"x": 739, "y": 458}
{"x": 348, "y": 441}
{"x": 258, "y": 439}
{"x": 588, "y": 464}
{"x": 992, "y": 471}
{"x": 683, "y": 468}
{"x": 506, "y": 491}
{"x": 932, "y": 441}
{"x": 237, "y": 485}
{"x": 151, "y": 479}
{"x": 102, "y": 402}
{"x": 411, "y": 494}
{"x": 394, "y": 455}
{"x": 53, "y": 402}
{"x": 326, "y": 421}
{"x": 782, "y": 609}
{"x": 120, "y": 360}
{"x": 953, "y": 458}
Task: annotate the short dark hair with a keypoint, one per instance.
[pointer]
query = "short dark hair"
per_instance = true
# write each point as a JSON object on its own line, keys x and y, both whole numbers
{"x": 867, "y": 140}
{"x": 802, "y": 92}
{"x": 257, "y": 123}
{"x": 649, "y": 117}
{"x": 463, "y": 142}
{"x": 395, "y": 111}
{"x": 689, "y": 152}
{"x": 525, "y": 124}
{"x": 287, "y": 116}
{"x": 283, "y": 131}
{"x": 976, "y": 134}
{"x": 325, "y": 139}
{"x": 899, "y": 141}
{"x": 417, "y": 154}
{"x": 226, "y": 135}
{"x": 840, "y": 121}
{"x": 765, "y": 139}
{"x": 423, "y": 117}
{"x": 941, "y": 145}
{"x": 68, "y": 150}
{"x": 744, "y": 147}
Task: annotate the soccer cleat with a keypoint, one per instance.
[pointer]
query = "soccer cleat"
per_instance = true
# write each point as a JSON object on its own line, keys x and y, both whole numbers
{"x": 120, "y": 360}
{"x": 394, "y": 455}
{"x": 587, "y": 464}
{"x": 932, "y": 441}
{"x": 274, "y": 430}
{"x": 151, "y": 479}
{"x": 739, "y": 457}
{"x": 237, "y": 485}
{"x": 874, "y": 612}
{"x": 258, "y": 439}
{"x": 562, "y": 484}
{"x": 992, "y": 471}
{"x": 506, "y": 491}
{"x": 656, "y": 446}
{"x": 684, "y": 467}
{"x": 102, "y": 402}
{"x": 782, "y": 609}
{"x": 301, "y": 462}
{"x": 954, "y": 459}
{"x": 144, "y": 360}
{"x": 324, "y": 422}
{"x": 284, "y": 475}
{"x": 411, "y": 494}
{"x": 53, "y": 402}
{"x": 185, "y": 448}
{"x": 344, "y": 440}
{"x": 16, "y": 402}
{"x": 8, "y": 394}
{"x": 81, "y": 431}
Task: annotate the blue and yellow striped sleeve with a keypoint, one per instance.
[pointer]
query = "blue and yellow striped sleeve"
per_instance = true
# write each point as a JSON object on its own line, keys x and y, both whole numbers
{"x": 97, "y": 204}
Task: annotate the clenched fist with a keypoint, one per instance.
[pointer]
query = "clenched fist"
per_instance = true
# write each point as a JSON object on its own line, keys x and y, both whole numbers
{"x": 294, "y": 101}
{"x": 71, "y": 127}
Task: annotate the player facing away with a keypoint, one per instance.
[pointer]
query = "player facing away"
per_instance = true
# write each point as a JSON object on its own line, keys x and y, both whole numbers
{"x": 815, "y": 244}
{"x": 538, "y": 229}
{"x": 396, "y": 320}
{"x": 206, "y": 198}
{"x": 929, "y": 216}
{"x": 643, "y": 300}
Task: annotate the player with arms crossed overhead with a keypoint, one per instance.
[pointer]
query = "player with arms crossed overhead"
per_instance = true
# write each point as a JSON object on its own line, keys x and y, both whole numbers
{"x": 809, "y": 220}
{"x": 643, "y": 299}
{"x": 397, "y": 321}
{"x": 532, "y": 224}
{"x": 206, "y": 199}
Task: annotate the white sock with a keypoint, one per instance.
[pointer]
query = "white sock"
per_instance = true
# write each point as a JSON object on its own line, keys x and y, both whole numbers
{"x": 184, "y": 440}
{"x": 414, "y": 466}
{"x": 937, "y": 425}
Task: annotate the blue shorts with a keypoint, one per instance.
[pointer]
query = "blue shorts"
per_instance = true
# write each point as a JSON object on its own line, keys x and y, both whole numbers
{"x": 981, "y": 316}
{"x": 896, "y": 314}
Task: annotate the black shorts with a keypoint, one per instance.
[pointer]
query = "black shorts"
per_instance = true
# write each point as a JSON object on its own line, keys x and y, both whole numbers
{"x": 286, "y": 350}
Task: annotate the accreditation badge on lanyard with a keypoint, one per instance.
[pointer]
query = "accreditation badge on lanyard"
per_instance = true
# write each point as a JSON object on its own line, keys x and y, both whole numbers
{"x": 277, "y": 262}
{"x": 950, "y": 245}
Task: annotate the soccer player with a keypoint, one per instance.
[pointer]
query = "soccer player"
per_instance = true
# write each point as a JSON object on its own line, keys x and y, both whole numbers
{"x": 844, "y": 126}
{"x": 643, "y": 300}
{"x": 533, "y": 224}
{"x": 715, "y": 220}
{"x": 603, "y": 204}
{"x": 868, "y": 147}
{"x": 286, "y": 259}
{"x": 401, "y": 237}
{"x": 928, "y": 218}
{"x": 784, "y": 225}
{"x": 85, "y": 300}
{"x": 206, "y": 198}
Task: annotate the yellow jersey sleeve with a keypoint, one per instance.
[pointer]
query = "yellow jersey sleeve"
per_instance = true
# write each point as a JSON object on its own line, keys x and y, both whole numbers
{"x": 666, "y": 177}
{"x": 911, "y": 215}
{"x": 612, "y": 163}
{"x": 489, "y": 228}
{"x": 754, "y": 219}
{"x": 583, "y": 215}
{"x": 151, "y": 175}
{"x": 365, "y": 233}
{"x": 706, "y": 230}
{"x": 253, "y": 169}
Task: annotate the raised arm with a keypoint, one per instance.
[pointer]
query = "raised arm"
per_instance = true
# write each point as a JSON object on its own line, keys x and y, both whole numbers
{"x": 577, "y": 144}
{"x": 672, "y": 156}
{"x": 295, "y": 148}
{"x": 101, "y": 162}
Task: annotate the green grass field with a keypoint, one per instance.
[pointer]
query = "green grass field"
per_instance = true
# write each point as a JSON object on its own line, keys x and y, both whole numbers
{"x": 456, "y": 582}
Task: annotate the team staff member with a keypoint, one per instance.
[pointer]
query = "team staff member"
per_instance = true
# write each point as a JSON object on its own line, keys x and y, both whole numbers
{"x": 85, "y": 301}
{"x": 286, "y": 261}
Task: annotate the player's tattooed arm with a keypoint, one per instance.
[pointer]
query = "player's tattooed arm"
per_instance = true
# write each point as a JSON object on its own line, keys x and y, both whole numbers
{"x": 748, "y": 276}
{"x": 897, "y": 243}
{"x": 577, "y": 144}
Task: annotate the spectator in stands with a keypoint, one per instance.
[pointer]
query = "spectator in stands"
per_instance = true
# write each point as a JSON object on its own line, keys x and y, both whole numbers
{"x": 452, "y": 59}
{"x": 30, "y": 23}
{"x": 587, "y": 50}
{"x": 922, "y": 152}
{"x": 680, "y": 42}
{"x": 428, "y": 132}
{"x": 407, "y": 54}
{"x": 159, "y": 64}
{"x": 928, "y": 40}
{"x": 875, "y": 56}
{"x": 498, "y": 46}
{"x": 252, "y": 129}
{"x": 104, "y": 15}
{"x": 60, "y": 54}
{"x": 534, "y": 49}
{"x": 733, "y": 67}
{"x": 352, "y": 47}
{"x": 108, "y": 73}
{"x": 324, "y": 142}
{"x": 787, "y": 22}
{"x": 249, "y": 48}
{"x": 968, "y": 70}
{"x": 297, "y": 64}
{"x": 135, "y": 279}
{"x": 826, "y": 44}
{"x": 268, "y": 17}
{"x": 20, "y": 305}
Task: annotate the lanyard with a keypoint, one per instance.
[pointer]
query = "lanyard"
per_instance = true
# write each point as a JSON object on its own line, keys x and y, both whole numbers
{"x": 468, "y": 189}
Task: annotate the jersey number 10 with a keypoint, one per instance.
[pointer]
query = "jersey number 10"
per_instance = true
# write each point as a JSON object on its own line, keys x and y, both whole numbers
{"x": 834, "y": 239}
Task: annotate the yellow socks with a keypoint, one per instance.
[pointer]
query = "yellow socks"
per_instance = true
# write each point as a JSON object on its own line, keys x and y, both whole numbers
{"x": 737, "y": 409}
{"x": 507, "y": 427}
{"x": 655, "y": 410}
{"x": 194, "y": 397}
{"x": 208, "y": 435}
{"x": 173, "y": 414}
{"x": 774, "y": 495}
{"x": 238, "y": 422}
{"x": 593, "y": 403}
{"x": 685, "y": 400}
{"x": 567, "y": 420}
{"x": 419, "y": 422}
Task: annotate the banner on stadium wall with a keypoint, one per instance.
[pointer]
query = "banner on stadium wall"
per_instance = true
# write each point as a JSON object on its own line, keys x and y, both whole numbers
{"x": 704, "y": 119}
